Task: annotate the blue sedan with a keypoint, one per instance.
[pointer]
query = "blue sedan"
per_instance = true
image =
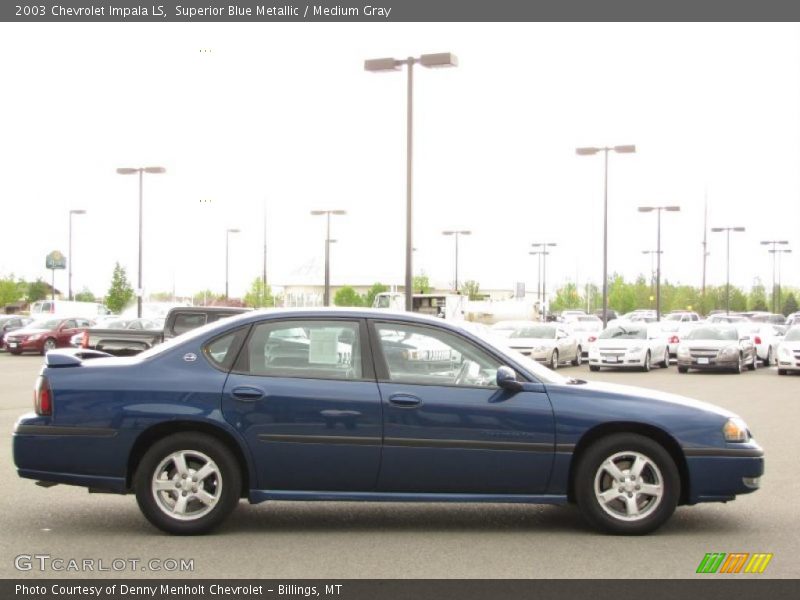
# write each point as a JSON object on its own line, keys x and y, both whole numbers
{"x": 369, "y": 405}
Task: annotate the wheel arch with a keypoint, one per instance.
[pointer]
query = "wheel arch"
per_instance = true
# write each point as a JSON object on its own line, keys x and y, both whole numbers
{"x": 161, "y": 430}
{"x": 650, "y": 431}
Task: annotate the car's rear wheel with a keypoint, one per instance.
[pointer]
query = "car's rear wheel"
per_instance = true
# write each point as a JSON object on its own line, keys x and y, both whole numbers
{"x": 578, "y": 357}
{"x": 49, "y": 344}
{"x": 554, "y": 360}
{"x": 768, "y": 360}
{"x": 187, "y": 483}
{"x": 683, "y": 369}
{"x": 594, "y": 368}
{"x": 782, "y": 372}
{"x": 626, "y": 484}
{"x": 752, "y": 366}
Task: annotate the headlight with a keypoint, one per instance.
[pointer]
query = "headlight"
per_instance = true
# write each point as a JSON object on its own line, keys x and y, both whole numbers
{"x": 539, "y": 348}
{"x": 735, "y": 430}
{"x": 729, "y": 351}
{"x": 784, "y": 351}
{"x": 635, "y": 349}
{"x": 34, "y": 337}
{"x": 683, "y": 352}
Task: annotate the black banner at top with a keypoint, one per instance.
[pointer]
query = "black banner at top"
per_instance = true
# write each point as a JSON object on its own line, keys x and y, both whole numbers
{"x": 374, "y": 11}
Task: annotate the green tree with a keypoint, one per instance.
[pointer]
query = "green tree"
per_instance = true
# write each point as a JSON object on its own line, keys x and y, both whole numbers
{"x": 471, "y": 289}
{"x": 621, "y": 295}
{"x": 10, "y": 290}
{"x": 206, "y": 298}
{"x": 566, "y": 297}
{"x": 789, "y": 305}
{"x": 36, "y": 290}
{"x": 757, "y": 299}
{"x": 120, "y": 293}
{"x": 376, "y": 289}
{"x": 258, "y": 296}
{"x": 422, "y": 284}
{"x": 85, "y": 295}
{"x": 347, "y": 296}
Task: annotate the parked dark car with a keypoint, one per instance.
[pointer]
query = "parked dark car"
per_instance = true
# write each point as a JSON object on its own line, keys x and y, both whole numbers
{"x": 9, "y": 323}
{"x": 138, "y": 335}
{"x": 44, "y": 334}
{"x": 196, "y": 423}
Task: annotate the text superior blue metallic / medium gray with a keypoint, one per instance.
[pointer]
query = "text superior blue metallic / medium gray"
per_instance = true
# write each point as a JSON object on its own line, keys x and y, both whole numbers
{"x": 370, "y": 405}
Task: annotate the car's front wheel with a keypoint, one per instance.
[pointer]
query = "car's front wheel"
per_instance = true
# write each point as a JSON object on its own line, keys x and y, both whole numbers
{"x": 626, "y": 484}
{"x": 578, "y": 357}
{"x": 752, "y": 366}
{"x": 49, "y": 344}
{"x": 187, "y": 483}
{"x": 646, "y": 365}
{"x": 554, "y": 360}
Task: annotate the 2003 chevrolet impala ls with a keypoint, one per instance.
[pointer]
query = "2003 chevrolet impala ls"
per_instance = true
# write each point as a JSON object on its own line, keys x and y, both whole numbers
{"x": 369, "y": 405}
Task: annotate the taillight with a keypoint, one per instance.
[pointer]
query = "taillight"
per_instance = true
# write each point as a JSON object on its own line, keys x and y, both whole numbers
{"x": 674, "y": 340}
{"x": 85, "y": 339}
{"x": 43, "y": 397}
{"x": 592, "y": 338}
{"x": 757, "y": 340}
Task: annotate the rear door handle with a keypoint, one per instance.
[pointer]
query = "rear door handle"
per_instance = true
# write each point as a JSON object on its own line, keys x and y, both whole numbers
{"x": 405, "y": 400}
{"x": 247, "y": 393}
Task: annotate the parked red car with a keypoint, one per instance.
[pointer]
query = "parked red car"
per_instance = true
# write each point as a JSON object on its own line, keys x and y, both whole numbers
{"x": 45, "y": 334}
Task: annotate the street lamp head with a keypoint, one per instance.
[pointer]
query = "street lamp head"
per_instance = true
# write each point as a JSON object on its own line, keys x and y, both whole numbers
{"x": 645, "y": 209}
{"x": 626, "y": 149}
{"x": 586, "y": 151}
{"x": 155, "y": 170}
{"x": 77, "y": 211}
{"x": 672, "y": 208}
{"x": 338, "y": 212}
{"x": 376, "y": 65}
{"x": 738, "y": 228}
{"x": 438, "y": 61}
{"x": 234, "y": 230}
{"x": 126, "y": 171}
{"x": 717, "y": 229}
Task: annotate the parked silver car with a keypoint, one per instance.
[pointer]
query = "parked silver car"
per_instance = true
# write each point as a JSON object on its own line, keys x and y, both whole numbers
{"x": 789, "y": 352}
{"x": 547, "y": 343}
{"x": 717, "y": 347}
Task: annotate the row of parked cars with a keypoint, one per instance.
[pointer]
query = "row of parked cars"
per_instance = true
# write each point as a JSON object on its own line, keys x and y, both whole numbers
{"x": 637, "y": 340}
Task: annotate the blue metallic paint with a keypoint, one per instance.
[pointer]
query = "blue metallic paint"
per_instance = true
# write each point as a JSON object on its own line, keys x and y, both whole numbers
{"x": 134, "y": 395}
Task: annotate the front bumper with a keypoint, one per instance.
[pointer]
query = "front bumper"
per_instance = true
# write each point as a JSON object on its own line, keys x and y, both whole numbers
{"x": 713, "y": 364}
{"x": 719, "y": 475}
{"x": 623, "y": 361}
{"x": 28, "y": 345}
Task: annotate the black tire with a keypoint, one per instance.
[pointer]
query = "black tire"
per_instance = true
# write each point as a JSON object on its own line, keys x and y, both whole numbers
{"x": 554, "y": 360}
{"x": 225, "y": 483}
{"x": 753, "y": 365}
{"x": 594, "y": 368}
{"x": 15, "y": 352}
{"x": 782, "y": 372}
{"x": 665, "y": 363}
{"x": 49, "y": 344}
{"x": 646, "y": 365}
{"x": 578, "y": 357}
{"x": 768, "y": 361}
{"x": 683, "y": 369}
{"x": 590, "y": 472}
{"x": 739, "y": 368}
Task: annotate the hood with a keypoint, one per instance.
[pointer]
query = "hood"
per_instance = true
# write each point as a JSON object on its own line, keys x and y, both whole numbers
{"x": 649, "y": 395}
{"x": 529, "y": 342}
{"x": 619, "y": 343}
{"x": 26, "y": 331}
{"x": 716, "y": 344}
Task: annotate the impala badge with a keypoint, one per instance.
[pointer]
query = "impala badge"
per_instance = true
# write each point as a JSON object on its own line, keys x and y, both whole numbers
{"x": 190, "y": 357}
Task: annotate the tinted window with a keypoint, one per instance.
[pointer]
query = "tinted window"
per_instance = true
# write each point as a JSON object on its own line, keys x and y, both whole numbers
{"x": 71, "y": 324}
{"x": 310, "y": 349}
{"x": 221, "y": 351}
{"x": 187, "y": 321}
{"x": 539, "y": 332}
{"x": 429, "y": 356}
{"x": 713, "y": 333}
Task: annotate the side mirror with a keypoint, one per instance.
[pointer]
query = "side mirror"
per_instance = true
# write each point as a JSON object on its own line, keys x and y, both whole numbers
{"x": 507, "y": 379}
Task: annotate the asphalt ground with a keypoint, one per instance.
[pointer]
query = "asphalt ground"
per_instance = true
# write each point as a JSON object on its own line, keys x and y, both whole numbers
{"x": 390, "y": 540}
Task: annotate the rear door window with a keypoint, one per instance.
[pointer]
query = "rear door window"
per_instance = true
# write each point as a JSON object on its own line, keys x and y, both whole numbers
{"x": 187, "y": 321}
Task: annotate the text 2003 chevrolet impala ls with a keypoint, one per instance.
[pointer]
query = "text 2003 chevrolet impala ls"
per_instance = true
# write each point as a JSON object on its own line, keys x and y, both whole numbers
{"x": 370, "y": 405}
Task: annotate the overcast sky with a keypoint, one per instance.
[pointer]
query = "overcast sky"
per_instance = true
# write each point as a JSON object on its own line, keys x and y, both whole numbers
{"x": 284, "y": 116}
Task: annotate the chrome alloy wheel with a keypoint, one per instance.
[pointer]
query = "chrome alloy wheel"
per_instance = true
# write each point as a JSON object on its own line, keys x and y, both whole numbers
{"x": 628, "y": 486}
{"x": 187, "y": 485}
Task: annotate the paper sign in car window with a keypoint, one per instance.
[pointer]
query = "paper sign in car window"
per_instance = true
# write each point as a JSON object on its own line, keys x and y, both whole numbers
{"x": 324, "y": 347}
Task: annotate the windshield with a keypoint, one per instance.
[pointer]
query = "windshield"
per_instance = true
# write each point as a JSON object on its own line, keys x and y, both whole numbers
{"x": 621, "y": 332}
{"x": 713, "y": 333}
{"x": 674, "y": 317}
{"x": 45, "y": 324}
{"x": 793, "y": 335}
{"x": 542, "y": 332}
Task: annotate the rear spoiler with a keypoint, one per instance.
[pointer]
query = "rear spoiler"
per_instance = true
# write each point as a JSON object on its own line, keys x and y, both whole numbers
{"x": 71, "y": 357}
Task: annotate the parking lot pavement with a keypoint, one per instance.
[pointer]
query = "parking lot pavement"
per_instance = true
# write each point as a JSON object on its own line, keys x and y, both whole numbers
{"x": 353, "y": 540}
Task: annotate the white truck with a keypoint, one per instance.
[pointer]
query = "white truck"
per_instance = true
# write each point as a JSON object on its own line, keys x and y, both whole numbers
{"x": 446, "y": 306}
{"x": 66, "y": 308}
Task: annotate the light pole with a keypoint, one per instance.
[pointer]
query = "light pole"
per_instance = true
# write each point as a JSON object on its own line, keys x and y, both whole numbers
{"x": 456, "y": 235}
{"x": 140, "y": 171}
{"x": 77, "y": 211}
{"x": 327, "y": 297}
{"x": 774, "y": 244}
{"x": 658, "y": 209}
{"x": 228, "y": 233}
{"x": 544, "y": 252}
{"x": 589, "y": 151}
{"x": 652, "y": 254}
{"x": 444, "y": 59}
{"x": 728, "y": 262}
{"x": 779, "y": 252}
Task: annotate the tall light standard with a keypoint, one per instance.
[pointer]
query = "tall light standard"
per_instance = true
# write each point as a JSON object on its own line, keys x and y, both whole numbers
{"x": 589, "y": 151}
{"x": 140, "y": 171}
{"x": 228, "y": 233}
{"x": 444, "y": 59}
{"x": 728, "y": 261}
{"x": 658, "y": 209}
{"x": 652, "y": 254}
{"x": 774, "y": 244}
{"x": 544, "y": 252}
{"x": 328, "y": 213}
{"x": 779, "y": 252}
{"x": 456, "y": 235}
{"x": 80, "y": 211}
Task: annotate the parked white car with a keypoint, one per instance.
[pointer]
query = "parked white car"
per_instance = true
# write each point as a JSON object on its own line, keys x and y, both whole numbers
{"x": 789, "y": 352}
{"x": 547, "y": 343}
{"x": 766, "y": 338}
{"x": 674, "y": 330}
{"x": 629, "y": 345}
{"x": 585, "y": 328}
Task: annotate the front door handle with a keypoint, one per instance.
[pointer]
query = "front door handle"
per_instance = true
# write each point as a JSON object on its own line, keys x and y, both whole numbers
{"x": 247, "y": 393}
{"x": 405, "y": 400}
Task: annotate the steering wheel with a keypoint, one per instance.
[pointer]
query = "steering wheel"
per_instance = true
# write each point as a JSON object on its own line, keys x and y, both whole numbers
{"x": 461, "y": 376}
